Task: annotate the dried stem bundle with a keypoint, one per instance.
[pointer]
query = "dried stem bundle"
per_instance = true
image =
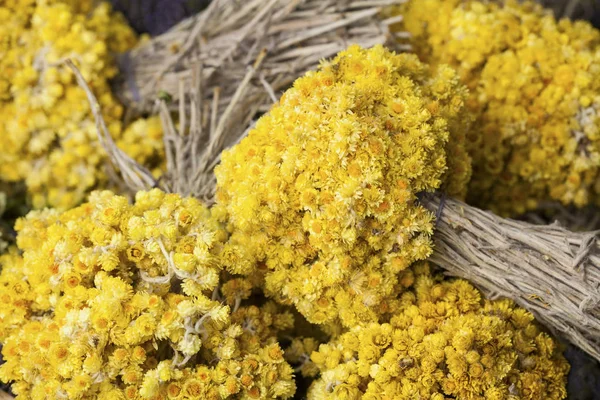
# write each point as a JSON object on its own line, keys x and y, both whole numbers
{"x": 549, "y": 270}
{"x": 226, "y": 38}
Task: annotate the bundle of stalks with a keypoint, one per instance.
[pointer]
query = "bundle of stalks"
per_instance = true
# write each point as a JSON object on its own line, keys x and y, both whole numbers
{"x": 227, "y": 37}
{"x": 551, "y": 271}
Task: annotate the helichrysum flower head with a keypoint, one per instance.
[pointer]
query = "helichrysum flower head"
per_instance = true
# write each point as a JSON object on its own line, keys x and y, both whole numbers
{"x": 49, "y": 134}
{"x": 534, "y": 85}
{"x": 112, "y": 300}
{"x": 322, "y": 192}
{"x": 446, "y": 341}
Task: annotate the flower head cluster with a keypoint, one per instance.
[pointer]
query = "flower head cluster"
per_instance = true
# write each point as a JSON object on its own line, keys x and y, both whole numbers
{"x": 445, "y": 342}
{"x": 323, "y": 191}
{"x": 534, "y": 85}
{"x": 48, "y": 131}
{"x": 112, "y": 300}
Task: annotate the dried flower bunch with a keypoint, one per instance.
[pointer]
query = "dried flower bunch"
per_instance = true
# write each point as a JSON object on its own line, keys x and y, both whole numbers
{"x": 534, "y": 85}
{"x": 323, "y": 207}
{"x": 49, "y": 137}
{"x": 153, "y": 300}
{"x": 445, "y": 342}
{"x": 323, "y": 190}
{"x": 311, "y": 162}
{"x": 128, "y": 301}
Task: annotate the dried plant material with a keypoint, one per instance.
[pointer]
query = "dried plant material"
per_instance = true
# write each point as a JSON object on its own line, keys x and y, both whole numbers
{"x": 339, "y": 161}
{"x": 547, "y": 269}
{"x": 225, "y": 40}
{"x": 534, "y": 137}
{"x": 551, "y": 271}
{"x": 135, "y": 176}
{"x": 236, "y": 60}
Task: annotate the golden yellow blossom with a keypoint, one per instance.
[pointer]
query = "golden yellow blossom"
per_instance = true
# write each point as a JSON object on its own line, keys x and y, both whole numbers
{"x": 446, "y": 341}
{"x": 534, "y": 85}
{"x": 112, "y": 300}
{"x": 49, "y": 133}
{"x": 322, "y": 193}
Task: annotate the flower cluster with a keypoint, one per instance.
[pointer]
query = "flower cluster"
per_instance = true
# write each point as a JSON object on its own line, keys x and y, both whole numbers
{"x": 112, "y": 300}
{"x": 445, "y": 342}
{"x": 322, "y": 192}
{"x": 46, "y": 123}
{"x": 534, "y": 85}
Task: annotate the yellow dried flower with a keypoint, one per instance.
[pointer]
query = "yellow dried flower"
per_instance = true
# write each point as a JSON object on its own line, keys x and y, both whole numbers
{"x": 112, "y": 300}
{"x": 534, "y": 85}
{"x": 323, "y": 191}
{"x": 446, "y": 341}
{"x": 49, "y": 133}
